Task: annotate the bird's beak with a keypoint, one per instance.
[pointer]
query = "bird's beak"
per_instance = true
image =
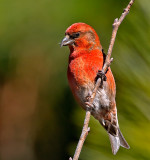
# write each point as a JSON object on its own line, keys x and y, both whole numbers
{"x": 66, "y": 41}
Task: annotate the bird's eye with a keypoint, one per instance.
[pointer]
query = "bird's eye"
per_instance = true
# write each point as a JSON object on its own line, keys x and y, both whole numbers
{"x": 75, "y": 35}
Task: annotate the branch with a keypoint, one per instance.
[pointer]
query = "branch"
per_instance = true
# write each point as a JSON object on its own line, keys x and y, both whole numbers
{"x": 116, "y": 25}
{"x": 99, "y": 82}
{"x": 84, "y": 133}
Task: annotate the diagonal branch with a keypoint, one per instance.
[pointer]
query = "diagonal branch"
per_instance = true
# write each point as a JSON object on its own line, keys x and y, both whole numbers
{"x": 116, "y": 25}
{"x": 99, "y": 82}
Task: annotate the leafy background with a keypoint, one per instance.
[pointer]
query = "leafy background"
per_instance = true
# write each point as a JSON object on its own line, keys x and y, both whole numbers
{"x": 40, "y": 119}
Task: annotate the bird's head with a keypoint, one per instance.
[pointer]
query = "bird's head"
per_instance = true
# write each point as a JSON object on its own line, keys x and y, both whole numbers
{"x": 81, "y": 35}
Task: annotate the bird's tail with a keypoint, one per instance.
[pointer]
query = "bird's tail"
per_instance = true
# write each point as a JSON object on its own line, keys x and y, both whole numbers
{"x": 117, "y": 141}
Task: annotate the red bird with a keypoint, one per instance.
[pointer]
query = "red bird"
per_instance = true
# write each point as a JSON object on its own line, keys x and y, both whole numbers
{"x": 85, "y": 60}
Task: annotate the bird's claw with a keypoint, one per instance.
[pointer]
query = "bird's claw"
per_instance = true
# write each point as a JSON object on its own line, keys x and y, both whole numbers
{"x": 89, "y": 105}
{"x": 101, "y": 75}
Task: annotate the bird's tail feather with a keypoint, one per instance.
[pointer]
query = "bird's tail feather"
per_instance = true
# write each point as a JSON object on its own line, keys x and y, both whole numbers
{"x": 117, "y": 141}
{"x": 123, "y": 142}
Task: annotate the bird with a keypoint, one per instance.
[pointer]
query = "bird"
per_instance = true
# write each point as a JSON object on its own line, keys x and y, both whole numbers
{"x": 86, "y": 60}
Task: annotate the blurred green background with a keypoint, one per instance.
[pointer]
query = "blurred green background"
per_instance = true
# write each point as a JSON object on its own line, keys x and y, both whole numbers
{"x": 39, "y": 118}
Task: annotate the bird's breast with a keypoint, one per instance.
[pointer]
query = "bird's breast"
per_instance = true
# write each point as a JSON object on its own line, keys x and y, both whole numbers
{"x": 82, "y": 71}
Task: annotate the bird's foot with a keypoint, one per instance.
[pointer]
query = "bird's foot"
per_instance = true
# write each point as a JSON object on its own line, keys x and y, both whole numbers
{"x": 102, "y": 76}
{"x": 89, "y": 105}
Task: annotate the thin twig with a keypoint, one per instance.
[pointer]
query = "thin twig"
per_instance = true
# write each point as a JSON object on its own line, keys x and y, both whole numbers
{"x": 85, "y": 131}
{"x": 116, "y": 25}
{"x": 99, "y": 82}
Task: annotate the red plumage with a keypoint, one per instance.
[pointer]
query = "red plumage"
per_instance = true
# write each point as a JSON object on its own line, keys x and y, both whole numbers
{"x": 85, "y": 60}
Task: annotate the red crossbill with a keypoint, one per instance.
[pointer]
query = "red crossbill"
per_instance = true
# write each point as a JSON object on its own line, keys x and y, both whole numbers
{"x": 85, "y": 60}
